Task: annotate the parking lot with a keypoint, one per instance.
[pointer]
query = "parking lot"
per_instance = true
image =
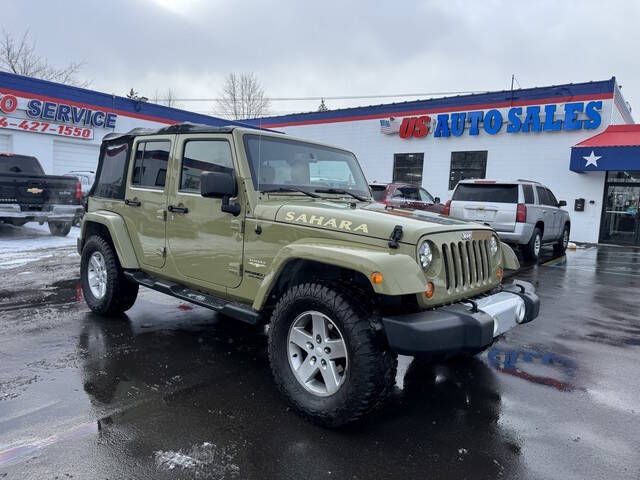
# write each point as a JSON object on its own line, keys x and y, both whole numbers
{"x": 172, "y": 391}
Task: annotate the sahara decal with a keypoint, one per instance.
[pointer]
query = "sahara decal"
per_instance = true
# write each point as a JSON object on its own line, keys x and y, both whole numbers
{"x": 327, "y": 222}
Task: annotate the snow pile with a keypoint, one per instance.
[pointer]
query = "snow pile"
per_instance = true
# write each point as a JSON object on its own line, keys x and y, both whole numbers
{"x": 30, "y": 243}
{"x": 206, "y": 460}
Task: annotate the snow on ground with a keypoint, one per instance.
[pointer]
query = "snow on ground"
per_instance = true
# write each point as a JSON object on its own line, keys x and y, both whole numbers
{"x": 32, "y": 242}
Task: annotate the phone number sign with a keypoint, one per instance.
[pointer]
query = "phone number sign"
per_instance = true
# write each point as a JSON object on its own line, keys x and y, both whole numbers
{"x": 50, "y": 128}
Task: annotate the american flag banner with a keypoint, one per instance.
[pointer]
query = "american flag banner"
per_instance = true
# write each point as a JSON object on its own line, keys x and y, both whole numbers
{"x": 390, "y": 126}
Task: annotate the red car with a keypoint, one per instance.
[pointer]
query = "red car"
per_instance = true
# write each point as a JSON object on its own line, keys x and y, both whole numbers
{"x": 405, "y": 195}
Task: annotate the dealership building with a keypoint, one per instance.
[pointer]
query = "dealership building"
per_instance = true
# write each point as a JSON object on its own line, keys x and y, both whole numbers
{"x": 506, "y": 135}
{"x": 577, "y": 139}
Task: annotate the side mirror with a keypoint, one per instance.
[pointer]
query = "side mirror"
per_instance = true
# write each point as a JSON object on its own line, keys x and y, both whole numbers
{"x": 436, "y": 200}
{"x": 562, "y": 203}
{"x": 220, "y": 185}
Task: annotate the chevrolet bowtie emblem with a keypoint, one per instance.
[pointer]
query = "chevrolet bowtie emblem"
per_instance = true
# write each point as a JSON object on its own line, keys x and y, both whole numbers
{"x": 35, "y": 190}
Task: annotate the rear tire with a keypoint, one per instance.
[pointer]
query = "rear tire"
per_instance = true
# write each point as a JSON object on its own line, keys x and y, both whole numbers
{"x": 560, "y": 247}
{"x": 105, "y": 288}
{"x": 365, "y": 373}
{"x": 60, "y": 229}
{"x": 531, "y": 250}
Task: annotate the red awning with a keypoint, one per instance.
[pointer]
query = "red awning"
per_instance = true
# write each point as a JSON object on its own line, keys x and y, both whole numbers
{"x": 615, "y": 136}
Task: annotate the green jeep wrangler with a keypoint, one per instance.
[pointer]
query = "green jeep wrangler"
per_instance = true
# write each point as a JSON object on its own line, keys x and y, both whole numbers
{"x": 272, "y": 230}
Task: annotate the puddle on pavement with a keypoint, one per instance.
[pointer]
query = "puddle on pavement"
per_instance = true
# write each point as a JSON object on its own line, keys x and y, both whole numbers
{"x": 59, "y": 293}
{"x": 29, "y": 448}
{"x": 542, "y": 368}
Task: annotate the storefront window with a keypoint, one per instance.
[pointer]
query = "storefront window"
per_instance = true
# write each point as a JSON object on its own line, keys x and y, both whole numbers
{"x": 407, "y": 168}
{"x": 467, "y": 166}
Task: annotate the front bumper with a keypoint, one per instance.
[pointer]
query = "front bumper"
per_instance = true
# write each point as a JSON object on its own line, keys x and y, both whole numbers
{"x": 60, "y": 213}
{"x": 468, "y": 326}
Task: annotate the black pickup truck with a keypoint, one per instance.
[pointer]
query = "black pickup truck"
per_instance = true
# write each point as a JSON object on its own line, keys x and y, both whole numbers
{"x": 28, "y": 195}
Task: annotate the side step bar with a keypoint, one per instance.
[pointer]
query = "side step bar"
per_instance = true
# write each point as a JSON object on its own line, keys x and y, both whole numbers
{"x": 234, "y": 310}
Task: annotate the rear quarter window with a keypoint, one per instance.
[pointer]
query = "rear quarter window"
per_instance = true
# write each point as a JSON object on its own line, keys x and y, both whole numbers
{"x": 495, "y": 193}
{"x": 528, "y": 194}
{"x": 110, "y": 181}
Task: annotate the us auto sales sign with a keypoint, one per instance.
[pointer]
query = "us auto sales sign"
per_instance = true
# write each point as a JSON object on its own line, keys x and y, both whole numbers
{"x": 533, "y": 118}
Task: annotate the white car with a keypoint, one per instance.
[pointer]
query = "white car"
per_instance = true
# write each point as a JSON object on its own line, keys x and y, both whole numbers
{"x": 523, "y": 212}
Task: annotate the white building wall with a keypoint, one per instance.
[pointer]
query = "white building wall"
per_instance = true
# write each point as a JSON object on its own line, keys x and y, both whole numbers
{"x": 543, "y": 157}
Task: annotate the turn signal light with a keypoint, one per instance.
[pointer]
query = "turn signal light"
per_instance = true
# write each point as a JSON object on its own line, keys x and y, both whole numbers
{"x": 521, "y": 213}
{"x": 376, "y": 278}
{"x": 499, "y": 273}
{"x": 447, "y": 208}
{"x": 430, "y": 290}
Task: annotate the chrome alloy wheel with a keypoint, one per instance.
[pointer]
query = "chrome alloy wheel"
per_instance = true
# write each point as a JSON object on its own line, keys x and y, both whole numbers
{"x": 317, "y": 353}
{"x": 97, "y": 275}
{"x": 565, "y": 238}
{"x": 537, "y": 245}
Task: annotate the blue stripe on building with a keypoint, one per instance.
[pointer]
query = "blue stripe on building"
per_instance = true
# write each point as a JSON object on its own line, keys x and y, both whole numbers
{"x": 528, "y": 95}
{"x": 120, "y": 105}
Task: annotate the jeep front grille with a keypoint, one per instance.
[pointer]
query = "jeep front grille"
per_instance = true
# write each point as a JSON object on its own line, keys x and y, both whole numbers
{"x": 466, "y": 264}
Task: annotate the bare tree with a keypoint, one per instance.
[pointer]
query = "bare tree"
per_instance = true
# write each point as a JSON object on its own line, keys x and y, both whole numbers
{"x": 18, "y": 55}
{"x": 168, "y": 98}
{"x": 243, "y": 97}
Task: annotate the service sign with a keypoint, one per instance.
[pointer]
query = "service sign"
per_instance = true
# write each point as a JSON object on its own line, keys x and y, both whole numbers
{"x": 533, "y": 118}
{"x": 52, "y": 118}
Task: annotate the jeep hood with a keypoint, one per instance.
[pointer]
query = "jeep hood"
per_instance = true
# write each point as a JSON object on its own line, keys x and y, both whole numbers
{"x": 368, "y": 219}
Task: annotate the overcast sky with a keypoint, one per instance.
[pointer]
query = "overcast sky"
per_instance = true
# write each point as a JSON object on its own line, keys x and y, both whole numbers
{"x": 328, "y": 48}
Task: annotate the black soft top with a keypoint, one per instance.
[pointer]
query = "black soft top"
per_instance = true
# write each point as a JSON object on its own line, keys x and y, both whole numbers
{"x": 185, "y": 127}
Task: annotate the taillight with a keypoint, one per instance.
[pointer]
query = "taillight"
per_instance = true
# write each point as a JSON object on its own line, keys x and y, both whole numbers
{"x": 78, "y": 195}
{"x": 447, "y": 208}
{"x": 521, "y": 213}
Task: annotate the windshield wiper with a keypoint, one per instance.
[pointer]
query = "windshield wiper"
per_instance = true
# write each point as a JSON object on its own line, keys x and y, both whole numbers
{"x": 290, "y": 189}
{"x": 339, "y": 191}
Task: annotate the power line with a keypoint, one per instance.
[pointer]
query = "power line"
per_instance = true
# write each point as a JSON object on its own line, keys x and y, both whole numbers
{"x": 338, "y": 97}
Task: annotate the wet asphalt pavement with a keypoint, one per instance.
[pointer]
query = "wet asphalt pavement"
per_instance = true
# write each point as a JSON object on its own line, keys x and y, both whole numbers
{"x": 172, "y": 391}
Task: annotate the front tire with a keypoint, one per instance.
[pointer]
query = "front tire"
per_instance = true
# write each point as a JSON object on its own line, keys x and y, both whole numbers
{"x": 60, "y": 229}
{"x": 531, "y": 250}
{"x": 105, "y": 288}
{"x": 326, "y": 356}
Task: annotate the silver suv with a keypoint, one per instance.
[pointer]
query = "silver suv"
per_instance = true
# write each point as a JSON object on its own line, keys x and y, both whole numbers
{"x": 523, "y": 212}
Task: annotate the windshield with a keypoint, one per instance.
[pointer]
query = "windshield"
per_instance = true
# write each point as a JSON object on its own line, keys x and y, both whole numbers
{"x": 281, "y": 162}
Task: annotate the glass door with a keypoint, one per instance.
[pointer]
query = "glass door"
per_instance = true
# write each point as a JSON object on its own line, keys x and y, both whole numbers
{"x": 621, "y": 212}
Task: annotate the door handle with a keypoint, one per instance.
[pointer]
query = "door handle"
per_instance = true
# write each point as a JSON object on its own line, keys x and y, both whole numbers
{"x": 133, "y": 203}
{"x": 177, "y": 209}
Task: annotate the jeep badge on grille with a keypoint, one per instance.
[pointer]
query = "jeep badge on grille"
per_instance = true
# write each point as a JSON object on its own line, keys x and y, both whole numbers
{"x": 466, "y": 236}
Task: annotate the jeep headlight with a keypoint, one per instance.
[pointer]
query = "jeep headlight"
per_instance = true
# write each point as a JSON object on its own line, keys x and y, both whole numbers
{"x": 425, "y": 256}
{"x": 493, "y": 246}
